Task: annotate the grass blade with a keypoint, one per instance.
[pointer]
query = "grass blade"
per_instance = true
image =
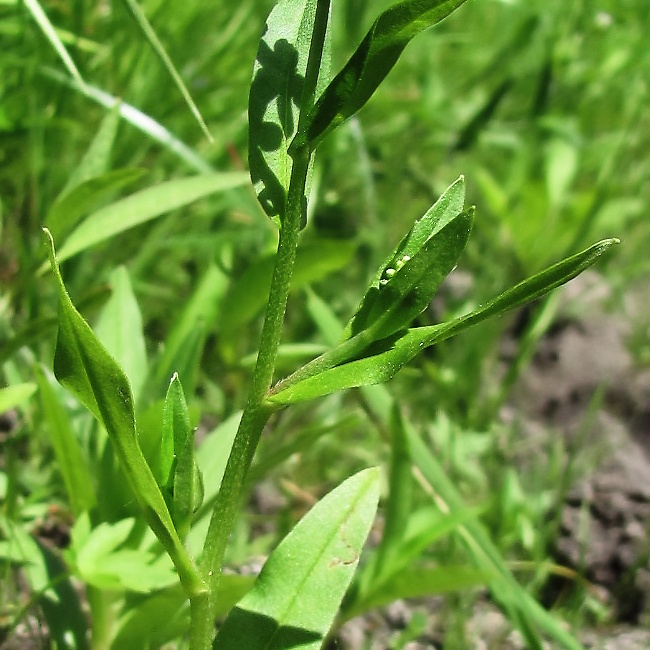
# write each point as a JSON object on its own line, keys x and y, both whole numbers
{"x": 143, "y": 206}
{"x": 157, "y": 46}
{"x": 47, "y": 28}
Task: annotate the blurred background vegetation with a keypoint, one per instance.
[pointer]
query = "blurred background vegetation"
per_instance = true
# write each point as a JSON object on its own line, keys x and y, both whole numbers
{"x": 542, "y": 105}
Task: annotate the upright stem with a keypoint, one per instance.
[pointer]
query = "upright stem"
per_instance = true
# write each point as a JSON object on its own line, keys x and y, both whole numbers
{"x": 258, "y": 410}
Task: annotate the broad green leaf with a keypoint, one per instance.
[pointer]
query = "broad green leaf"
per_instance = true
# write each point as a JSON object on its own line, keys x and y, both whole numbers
{"x": 371, "y": 62}
{"x": 72, "y": 206}
{"x": 276, "y": 97}
{"x": 120, "y": 330}
{"x": 85, "y": 368}
{"x": 161, "y": 53}
{"x": 70, "y": 459}
{"x": 15, "y": 395}
{"x": 101, "y": 562}
{"x": 144, "y": 206}
{"x": 385, "y": 358}
{"x": 300, "y": 588}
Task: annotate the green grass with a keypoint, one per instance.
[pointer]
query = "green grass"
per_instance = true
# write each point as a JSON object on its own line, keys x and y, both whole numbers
{"x": 540, "y": 105}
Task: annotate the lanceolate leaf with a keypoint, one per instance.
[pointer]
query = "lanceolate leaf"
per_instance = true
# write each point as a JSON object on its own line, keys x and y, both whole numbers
{"x": 387, "y": 357}
{"x": 372, "y": 61}
{"x": 298, "y": 593}
{"x": 144, "y": 206}
{"x": 83, "y": 366}
{"x": 413, "y": 281}
{"x": 275, "y": 97}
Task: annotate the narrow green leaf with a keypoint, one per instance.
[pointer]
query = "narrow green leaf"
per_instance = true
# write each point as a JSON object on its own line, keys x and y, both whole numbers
{"x": 387, "y": 357}
{"x": 85, "y": 368}
{"x": 371, "y": 62}
{"x": 144, "y": 206}
{"x": 121, "y": 331}
{"x": 276, "y": 97}
{"x": 141, "y": 121}
{"x": 96, "y": 161}
{"x": 46, "y": 26}
{"x": 184, "y": 345}
{"x": 70, "y": 459}
{"x": 157, "y": 46}
{"x": 408, "y": 287}
{"x": 299, "y": 591}
{"x": 180, "y": 470}
{"x": 71, "y": 207}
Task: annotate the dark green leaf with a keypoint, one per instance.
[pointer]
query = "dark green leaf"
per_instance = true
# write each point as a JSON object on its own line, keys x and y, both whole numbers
{"x": 83, "y": 366}
{"x": 408, "y": 287}
{"x": 276, "y": 97}
{"x": 298, "y": 593}
{"x": 372, "y": 61}
{"x": 387, "y": 357}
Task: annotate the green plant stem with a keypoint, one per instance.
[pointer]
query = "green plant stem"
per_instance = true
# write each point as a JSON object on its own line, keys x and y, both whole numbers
{"x": 258, "y": 409}
{"x": 256, "y": 412}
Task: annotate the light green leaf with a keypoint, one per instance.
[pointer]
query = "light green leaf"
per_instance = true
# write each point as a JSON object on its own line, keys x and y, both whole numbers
{"x": 85, "y": 368}
{"x": 299, "y": 591}
{"x": 71, "y": 207}
{"x": 121, "y": 331}
{"x": 184, "y": 345}
{"x": 96, "y": 161}
{"x": 371, "y": 62}
{"x": 144, "y": 206}
{"x": 15, "y": 395}
{"x": 385, "y": 358}
{"x": 102, "y": 563}
{"x": 276, "y": 97}
{"x": 70, "y": 459}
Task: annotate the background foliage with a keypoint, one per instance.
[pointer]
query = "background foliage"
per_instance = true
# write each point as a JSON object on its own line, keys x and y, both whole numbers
{"x": 541, "y": 105}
